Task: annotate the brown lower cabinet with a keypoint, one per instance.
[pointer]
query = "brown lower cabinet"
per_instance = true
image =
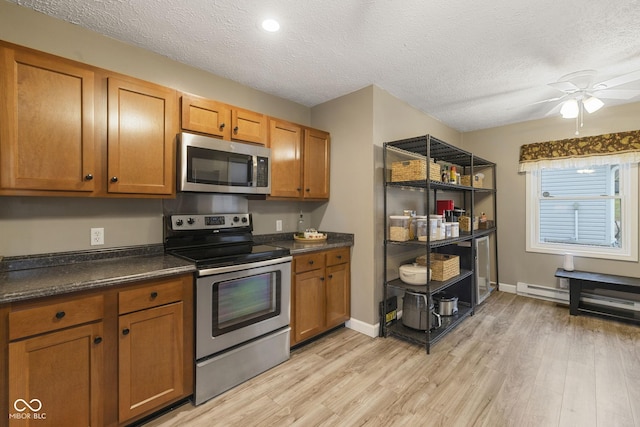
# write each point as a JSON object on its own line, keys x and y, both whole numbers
{"x": 321, "y": 288}
{"x": 100, "y": 358}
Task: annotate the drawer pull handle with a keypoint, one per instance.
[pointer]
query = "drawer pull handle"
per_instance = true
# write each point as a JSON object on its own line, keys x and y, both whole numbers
{"x": 60, "y": 314}
{"x": 125, "y": 331}
{"x": 154, "y": 295}
{"x": 339, "y": 256}
{"x": 97, "y": 340}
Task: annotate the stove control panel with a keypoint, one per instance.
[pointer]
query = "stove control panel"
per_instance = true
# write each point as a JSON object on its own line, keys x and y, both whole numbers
{"x": 209, "y": 221}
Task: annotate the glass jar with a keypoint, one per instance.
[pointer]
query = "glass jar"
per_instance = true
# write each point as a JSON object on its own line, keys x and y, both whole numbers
{"x": 422, "y": 228}
{"x": 399, "y": 228}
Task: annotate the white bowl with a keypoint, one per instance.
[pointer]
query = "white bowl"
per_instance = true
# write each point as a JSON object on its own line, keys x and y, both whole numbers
{"x": 413, "y": 274}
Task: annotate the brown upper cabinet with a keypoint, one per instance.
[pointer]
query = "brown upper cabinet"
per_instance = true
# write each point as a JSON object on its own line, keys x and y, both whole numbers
{"x": 47, "y": 117}
{"x": 222, "y": 121}
{"x": 69, "y": 129}
{"x": 299, "y": 161}
{"x": 142, "y": 122}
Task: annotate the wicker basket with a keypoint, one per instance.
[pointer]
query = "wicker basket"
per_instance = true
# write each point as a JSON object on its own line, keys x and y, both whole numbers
{"x": 465, "y": 223}
{"x": 414, "y": 170}
{"x": 466, "y": 180}
{"x": 443, "y": 266}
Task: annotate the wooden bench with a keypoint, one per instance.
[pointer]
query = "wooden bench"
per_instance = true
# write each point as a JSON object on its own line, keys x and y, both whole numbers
{"x": 581, "y": 280}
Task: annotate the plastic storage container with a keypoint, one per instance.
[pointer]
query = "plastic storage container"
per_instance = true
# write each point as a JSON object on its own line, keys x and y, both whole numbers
{"x": 399, "y": 228}
{"x": 422, "y": 228}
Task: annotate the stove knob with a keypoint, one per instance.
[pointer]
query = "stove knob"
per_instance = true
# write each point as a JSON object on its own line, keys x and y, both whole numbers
{"x": 236, "y": 219}
{"x": 179, "y": 222}
{"x": 244, "y": 219}
{"x": 191, "y": 220}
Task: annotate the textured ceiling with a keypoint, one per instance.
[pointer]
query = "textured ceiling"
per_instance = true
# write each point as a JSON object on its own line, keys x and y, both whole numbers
{"x": 468, "y": 63}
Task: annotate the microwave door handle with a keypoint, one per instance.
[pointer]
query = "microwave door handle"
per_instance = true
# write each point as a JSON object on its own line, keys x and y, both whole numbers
{"x": 254, "y": 172}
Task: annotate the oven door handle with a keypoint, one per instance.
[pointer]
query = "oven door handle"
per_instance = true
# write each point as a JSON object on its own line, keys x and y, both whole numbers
{"x": 240, "y": 267}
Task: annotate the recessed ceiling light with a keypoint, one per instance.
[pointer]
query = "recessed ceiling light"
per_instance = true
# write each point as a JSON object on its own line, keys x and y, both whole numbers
{"x": 270, "y": 25}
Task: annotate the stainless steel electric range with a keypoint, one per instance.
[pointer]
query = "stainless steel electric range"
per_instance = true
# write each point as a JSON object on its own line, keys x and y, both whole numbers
{"x": 242, "y": 298}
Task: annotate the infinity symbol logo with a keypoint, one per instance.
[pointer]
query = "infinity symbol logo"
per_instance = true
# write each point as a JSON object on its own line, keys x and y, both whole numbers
{"x": 26, "y": 405}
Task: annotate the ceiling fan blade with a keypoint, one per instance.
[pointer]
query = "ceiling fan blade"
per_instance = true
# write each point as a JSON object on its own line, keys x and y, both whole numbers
{"x": 555, "y": 110}
{"x": 617, "y": 81}
{"x": 545, "y": 101}
{"x": 565, "y": 86}
{"x": 617, "y": 93}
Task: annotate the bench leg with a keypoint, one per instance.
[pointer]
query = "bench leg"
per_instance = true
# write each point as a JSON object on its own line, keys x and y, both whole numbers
{"x": 575, "y": 288}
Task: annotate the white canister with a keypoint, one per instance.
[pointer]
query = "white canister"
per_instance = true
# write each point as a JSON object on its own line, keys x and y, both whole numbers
{"x": 455, "y": 229}
{"x": 447, "y": 229}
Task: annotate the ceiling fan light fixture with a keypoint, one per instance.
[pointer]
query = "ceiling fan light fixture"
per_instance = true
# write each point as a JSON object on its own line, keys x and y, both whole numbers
{"x": 592, "y": 104}
{"x": 570, "y": 109}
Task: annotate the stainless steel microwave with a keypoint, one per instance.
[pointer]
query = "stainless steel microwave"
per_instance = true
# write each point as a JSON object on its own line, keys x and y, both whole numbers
{"x": 210, "y": 165}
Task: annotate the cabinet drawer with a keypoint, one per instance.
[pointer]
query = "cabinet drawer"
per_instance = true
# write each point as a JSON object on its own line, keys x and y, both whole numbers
{"x": 159, "y": 293}
{"x": 309, "y": 262}
{"x": 52, "y": 316}
{"x": 338, "y": 256}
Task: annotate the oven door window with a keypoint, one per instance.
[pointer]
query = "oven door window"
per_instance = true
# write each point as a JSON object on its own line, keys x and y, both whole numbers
{"x": 208, "y": 166}
{"x": 241, "y": 302}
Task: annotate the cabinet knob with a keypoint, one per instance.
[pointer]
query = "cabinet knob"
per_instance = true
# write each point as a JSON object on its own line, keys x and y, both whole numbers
{"x": 307, "y": 190}
{"x": 322, "y": 278}
{"x": 298, "y": 188}
{"x": 125, "y": 331}
{"x": 154, "y": 295}
{"x": 222, "y": 125}
{"x": 310, "y": 262}
{"x": 331, "y": 276}
{"x": 97, "y": 340}
{"x": 60, "y": 314}
{"x": 114, "y": 179}
{"x": 339, "y": 256}
{"x": 88, "y": 177}
{"x": 235, "y": 130}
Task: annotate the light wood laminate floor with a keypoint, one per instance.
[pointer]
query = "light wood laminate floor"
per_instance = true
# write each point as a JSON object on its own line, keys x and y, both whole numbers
{"x": 517, "y": 362}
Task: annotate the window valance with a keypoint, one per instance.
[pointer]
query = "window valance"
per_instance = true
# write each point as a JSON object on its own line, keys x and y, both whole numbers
{"x": 610, "y": 148}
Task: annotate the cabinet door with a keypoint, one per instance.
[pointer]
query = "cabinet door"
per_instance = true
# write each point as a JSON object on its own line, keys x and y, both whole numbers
{"x": 285, "y": 142}
{"x": 141, "y": 140}
{"x": 248, "y": 126}
{"x": 46, "y": 123}
{"x": 59, "y": 376}
{"x": 316, "y": 164}
{"x": 206, "y": 116}
{"x": 309, "y": 304}
{"x": 338, "y": 294}
{"x": 151, "y": 351}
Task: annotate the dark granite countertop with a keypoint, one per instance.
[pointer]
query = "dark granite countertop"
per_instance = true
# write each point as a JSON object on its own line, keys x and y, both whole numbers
{"x": 36, "y": 276}
{"x": 285, "y": 240}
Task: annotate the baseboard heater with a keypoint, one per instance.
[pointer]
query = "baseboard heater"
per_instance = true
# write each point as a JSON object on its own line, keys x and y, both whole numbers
{"x": 561, "y": 296}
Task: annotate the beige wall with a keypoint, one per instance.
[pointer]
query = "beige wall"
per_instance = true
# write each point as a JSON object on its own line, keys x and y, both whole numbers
{"x": 502, "y": 146}
{"x": 360, "y": 123}
{"x": 39, "y": 224}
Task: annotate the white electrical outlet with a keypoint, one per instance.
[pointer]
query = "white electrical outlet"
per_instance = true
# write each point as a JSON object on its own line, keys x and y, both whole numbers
{"x": 97, "y": 236}
{"x": 278, "y": 225}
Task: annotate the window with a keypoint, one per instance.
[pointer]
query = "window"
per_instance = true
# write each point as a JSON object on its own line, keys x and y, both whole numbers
{"x": 589, "y": 211}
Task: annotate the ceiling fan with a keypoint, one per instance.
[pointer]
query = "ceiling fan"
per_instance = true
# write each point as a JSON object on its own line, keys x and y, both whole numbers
{"x": 581, "y": 93}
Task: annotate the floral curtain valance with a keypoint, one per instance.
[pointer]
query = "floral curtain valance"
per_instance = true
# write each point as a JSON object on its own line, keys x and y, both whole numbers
{"x": 621, "y": 147}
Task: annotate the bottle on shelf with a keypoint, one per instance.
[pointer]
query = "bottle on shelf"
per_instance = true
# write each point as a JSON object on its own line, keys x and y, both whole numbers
{"x": 445, "y": 173}
{"x": 454, "y": 175}
{"x": 301, "y": 227}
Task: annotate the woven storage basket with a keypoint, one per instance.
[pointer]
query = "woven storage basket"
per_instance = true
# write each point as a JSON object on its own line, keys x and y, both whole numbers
{"x": 466, "y": 180}
{"x": 414, "y": 170}
{"x": 465, "y": 223}
{"x": 443, "y": 266}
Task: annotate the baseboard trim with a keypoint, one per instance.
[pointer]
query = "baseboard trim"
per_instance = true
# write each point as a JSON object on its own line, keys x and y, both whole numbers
{"x": 362, "y": 327}
{"x": 510, "y": 289}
